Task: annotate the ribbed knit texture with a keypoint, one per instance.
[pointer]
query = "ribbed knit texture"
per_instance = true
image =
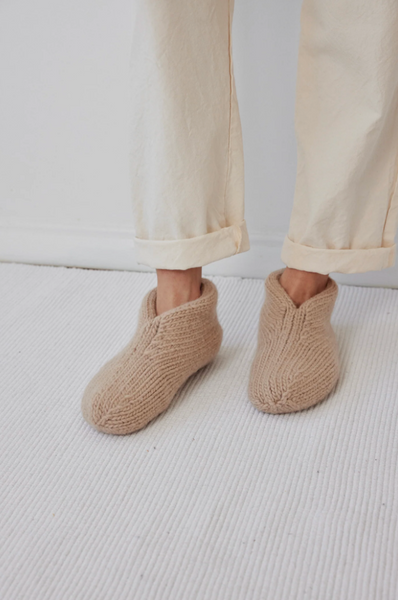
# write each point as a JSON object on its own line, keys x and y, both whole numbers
{"x": 296, "y": 364}
{"x": 140, "y": 382}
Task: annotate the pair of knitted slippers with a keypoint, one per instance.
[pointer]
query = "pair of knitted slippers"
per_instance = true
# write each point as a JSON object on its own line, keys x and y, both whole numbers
{"x": 296, "y": 363}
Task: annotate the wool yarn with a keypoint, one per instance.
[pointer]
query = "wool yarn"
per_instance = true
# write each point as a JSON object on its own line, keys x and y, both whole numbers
{"x": 296, "y": 363}
{"x": 140, "y": 382}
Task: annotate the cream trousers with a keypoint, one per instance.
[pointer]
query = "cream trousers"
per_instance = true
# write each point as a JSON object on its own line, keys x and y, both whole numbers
{"x": 186, "y": 150}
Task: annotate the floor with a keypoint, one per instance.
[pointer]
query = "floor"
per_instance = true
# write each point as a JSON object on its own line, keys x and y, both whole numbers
{"x": 213, "y": 500}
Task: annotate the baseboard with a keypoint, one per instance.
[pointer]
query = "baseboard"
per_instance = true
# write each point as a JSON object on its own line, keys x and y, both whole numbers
{"x": 101, "y": 248}
{"x": 70, "y": 246}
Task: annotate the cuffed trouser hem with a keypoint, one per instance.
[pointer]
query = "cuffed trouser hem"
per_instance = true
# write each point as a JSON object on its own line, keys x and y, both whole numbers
{"x": 320, "y": 260}
{"x": 193, "y": 252}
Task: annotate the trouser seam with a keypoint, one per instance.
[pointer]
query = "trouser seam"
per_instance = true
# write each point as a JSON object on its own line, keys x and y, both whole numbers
{"x": 394, "y": 195}
{"x": 230, "y": 109}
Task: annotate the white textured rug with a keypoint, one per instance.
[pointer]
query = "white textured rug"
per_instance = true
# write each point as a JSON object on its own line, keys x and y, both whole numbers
{"x": 213, "y": 500}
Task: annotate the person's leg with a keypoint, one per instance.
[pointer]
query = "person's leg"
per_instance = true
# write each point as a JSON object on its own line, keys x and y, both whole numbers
{"x": 345, "y": 208}
{"x": 187, "y": 190}
{"x": 187, "y": 158}
{"x": 177, "y": 287}
{"x": 302, "y": 285}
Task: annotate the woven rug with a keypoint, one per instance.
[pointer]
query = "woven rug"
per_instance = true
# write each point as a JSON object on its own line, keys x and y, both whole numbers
{"x": 213, "y": 500}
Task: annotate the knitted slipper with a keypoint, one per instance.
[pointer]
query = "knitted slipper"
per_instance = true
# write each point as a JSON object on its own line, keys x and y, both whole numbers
{"x": 140, "y": 382}
{"x": 296, "y": 364}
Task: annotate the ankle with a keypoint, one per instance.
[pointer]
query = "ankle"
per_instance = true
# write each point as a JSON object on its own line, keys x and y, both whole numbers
{"x": 177, "y": 287}
{"x": 302, "y": 285}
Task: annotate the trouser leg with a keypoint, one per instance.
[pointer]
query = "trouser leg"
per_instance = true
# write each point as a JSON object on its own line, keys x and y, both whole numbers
{"x": 345, "y": 208}
{"x": 186, "y": 143}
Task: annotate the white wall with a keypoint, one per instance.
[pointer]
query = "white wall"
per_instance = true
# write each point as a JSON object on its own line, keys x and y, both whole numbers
{"x": 64, "y": 182}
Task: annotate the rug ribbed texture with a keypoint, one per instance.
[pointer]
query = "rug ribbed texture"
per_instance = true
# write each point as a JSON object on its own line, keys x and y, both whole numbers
{"x": 213, "y": 500}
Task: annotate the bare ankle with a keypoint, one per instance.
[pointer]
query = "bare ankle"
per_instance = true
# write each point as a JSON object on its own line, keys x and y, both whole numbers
{"x": 177, "y": 287}
{"x": 302, "y": 285}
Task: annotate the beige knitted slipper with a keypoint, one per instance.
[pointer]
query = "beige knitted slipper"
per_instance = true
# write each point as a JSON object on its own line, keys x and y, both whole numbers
{"x": 140, "y": 382}
{"x": 297, "y": 363}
